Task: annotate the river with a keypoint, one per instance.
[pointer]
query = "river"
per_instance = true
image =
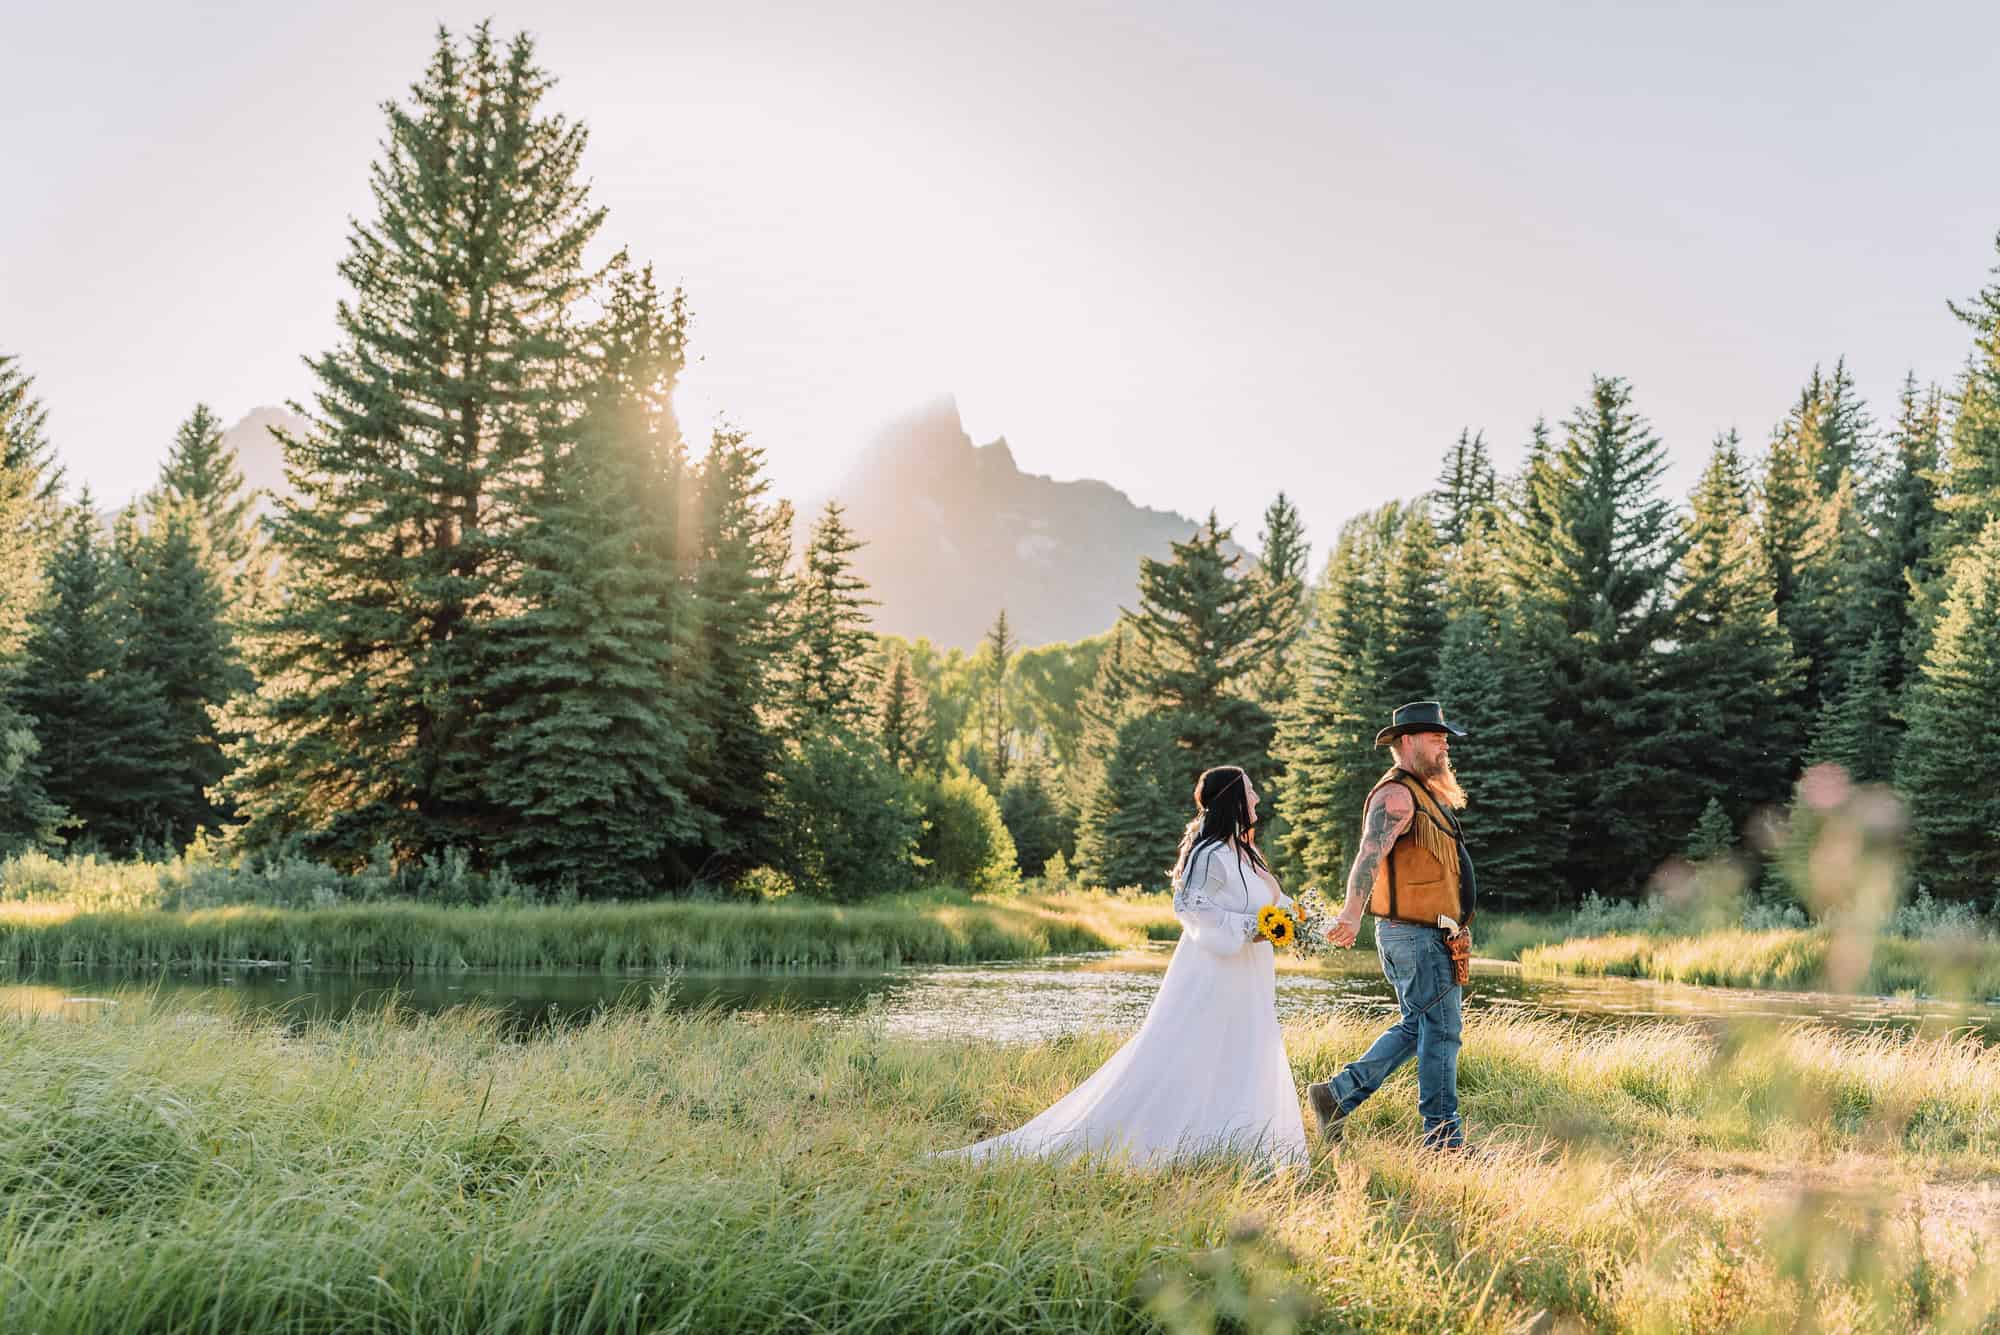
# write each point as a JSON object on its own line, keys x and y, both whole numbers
{"x": 1005, "y": 1001}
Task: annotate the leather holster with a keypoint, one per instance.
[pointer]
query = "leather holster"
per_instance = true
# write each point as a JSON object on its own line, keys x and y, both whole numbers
{"x": 1459, "y": 945}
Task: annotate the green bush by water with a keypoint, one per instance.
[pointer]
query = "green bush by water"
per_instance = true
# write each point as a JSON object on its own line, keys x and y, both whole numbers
{"x": 965, "y": 840}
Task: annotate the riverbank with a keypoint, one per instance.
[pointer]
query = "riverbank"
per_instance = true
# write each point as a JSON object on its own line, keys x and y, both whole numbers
{"x": 662, "y": 1171}
{"x": 1793, "y": 958}
{"x": 613, "y": 938}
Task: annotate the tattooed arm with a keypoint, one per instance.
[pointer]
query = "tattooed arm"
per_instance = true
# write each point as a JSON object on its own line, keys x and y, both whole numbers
{"x": 1389, "y": 813}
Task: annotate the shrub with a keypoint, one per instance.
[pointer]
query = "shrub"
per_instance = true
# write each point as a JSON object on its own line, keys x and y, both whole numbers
{"x": 1773, "y": 915}
{"x": 1040, "y": 826}
{"x": 965, "y": 840}
{"x": 846, "y": 821}
{"x": 1598, "y": 916}
{"x": 1928, "y": 918}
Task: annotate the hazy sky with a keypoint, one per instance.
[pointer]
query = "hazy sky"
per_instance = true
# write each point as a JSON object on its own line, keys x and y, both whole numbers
{"x": 1201, "y": 251}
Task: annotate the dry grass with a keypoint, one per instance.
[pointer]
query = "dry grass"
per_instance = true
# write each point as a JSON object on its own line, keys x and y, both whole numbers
{"x": 1784, "y": 958}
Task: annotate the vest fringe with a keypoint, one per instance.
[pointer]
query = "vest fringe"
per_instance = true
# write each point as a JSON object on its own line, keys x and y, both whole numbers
{"x": 1434, "y": 836}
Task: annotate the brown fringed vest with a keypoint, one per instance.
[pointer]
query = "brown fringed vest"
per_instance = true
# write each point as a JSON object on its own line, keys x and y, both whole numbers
{"x": 1420, "y": 877}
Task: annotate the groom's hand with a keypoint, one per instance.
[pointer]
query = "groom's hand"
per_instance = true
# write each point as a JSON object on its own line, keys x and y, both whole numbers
{"x": 1344, "y": 930}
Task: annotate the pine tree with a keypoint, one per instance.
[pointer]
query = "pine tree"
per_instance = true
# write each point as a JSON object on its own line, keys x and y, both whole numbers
{"x": 1840, "y": 594}
{"x": 832, "y": 673}
{"x": 1148, "y": 785}
{"x": 179, "y": 635}
{"x": 101, "y": 721}
{"x": 1000, "y": 648}
{"x": 1970, "y": 484}
{"x": 1326, "y": 738}
{"x": 1714, "y": 834}
{"x": 28, "y": 464}
{"x": 1200, "y": 629}
{"x": 1527, "y": 526}
{"x": 948, "y": 682}
{"x": 1954, "y": 713}
{"x": 741, "y": 548}
{"x": 458, "y": 372}
{"x": 589, "y": 708}
{"x": 1497, "y": 692}
{"x": 1417, "y": 612}
{"x": 1034, "y": 818}
{"x": 1857, "y": 728}
{"x": 1817, "y": 540}
{"x": 1197, "y": 635}
{"x": 1907, "y": 520}
{"x": 1103, "y": 710}
{"x": 202, "y": 472}
{"x": 1280, "y": 576}
{"x": 1846, "y": 446}
{"x": 899, "y": 710}
{"x": 28, "y": 819}
{"x": 1733, "y": 726}
{"x": 1467, "y": 497}
{"x": 1590, "y": 566}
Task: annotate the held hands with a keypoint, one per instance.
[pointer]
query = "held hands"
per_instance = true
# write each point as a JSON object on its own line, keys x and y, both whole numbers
{"x": 1344, "y": 930}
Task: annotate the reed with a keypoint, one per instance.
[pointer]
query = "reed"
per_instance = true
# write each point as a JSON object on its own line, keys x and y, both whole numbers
{"x": 608, "y": 937}
{"x": 173, "y": 1169}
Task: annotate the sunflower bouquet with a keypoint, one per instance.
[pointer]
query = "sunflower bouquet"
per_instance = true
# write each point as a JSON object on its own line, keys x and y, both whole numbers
{"x": 1278, "y": 927}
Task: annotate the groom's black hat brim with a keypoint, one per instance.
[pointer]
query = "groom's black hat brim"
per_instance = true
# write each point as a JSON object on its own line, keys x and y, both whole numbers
{"x": 1418, "y": 716}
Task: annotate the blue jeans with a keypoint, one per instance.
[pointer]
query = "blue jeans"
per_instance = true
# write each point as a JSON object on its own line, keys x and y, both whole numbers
{"x": 1418, "y": 966}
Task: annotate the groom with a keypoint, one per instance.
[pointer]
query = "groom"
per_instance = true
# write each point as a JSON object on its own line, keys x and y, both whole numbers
{"x": 1412, "y": 868}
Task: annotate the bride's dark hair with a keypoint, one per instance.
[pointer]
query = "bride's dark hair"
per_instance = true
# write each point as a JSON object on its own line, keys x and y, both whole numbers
{"x": 1221, "y": 816}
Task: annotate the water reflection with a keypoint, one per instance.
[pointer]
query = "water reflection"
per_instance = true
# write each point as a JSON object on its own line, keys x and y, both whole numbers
{"x": 1040, "y": 999}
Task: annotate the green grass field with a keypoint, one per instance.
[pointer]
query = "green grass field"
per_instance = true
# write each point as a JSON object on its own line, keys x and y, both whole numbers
{"x": 169, "y": 1170}
{"x": 610, "y": 937}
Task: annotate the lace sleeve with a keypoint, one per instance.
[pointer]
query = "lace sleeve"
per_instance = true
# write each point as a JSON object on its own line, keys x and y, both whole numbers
{"x": 1216, "y": 930}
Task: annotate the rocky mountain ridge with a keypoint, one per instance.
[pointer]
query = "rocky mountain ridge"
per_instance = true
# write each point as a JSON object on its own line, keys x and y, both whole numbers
{"x": 954, "y": 531}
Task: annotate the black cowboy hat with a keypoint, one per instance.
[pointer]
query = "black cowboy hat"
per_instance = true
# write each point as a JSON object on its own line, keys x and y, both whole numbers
{"x": 1418, "y": 716}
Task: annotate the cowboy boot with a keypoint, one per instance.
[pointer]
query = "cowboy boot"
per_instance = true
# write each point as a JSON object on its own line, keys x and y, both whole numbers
{"x": 1326, "y": 1111}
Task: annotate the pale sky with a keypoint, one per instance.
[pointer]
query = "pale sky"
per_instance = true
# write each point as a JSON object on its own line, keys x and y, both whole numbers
{"x": 1203, "y": 252}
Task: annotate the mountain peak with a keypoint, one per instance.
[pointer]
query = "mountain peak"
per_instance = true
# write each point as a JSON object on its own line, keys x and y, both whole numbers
{"x": 995, "y": 457}
{"x": 956, "y": 531}
{"x": 258, "y": 453}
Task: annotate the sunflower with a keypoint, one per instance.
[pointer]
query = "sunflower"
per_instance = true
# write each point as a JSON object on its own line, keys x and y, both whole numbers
{"x": 1276, "y": 926}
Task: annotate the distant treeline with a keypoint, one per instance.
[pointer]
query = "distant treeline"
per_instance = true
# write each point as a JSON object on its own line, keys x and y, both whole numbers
{"x": 509, "y": 615}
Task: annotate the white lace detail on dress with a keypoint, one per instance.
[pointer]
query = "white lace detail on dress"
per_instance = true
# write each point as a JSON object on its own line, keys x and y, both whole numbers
{"x": 1211, "y": 901}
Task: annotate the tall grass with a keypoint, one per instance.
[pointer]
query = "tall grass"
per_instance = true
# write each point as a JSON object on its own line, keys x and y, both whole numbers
{"x": 1965, "y": 966}
{"x": 608, "y": 937}
{"x": 180, "y": 1170}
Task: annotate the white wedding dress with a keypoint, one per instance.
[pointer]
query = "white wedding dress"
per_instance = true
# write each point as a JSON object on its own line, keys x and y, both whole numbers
{"x": 1207, "y": 1071}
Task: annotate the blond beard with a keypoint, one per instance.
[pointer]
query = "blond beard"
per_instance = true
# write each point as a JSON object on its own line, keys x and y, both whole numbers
{"x": 1442, "y": 780}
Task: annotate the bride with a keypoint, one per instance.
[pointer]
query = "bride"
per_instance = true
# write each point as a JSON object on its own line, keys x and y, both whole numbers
{"x": 1207, "y": 1070}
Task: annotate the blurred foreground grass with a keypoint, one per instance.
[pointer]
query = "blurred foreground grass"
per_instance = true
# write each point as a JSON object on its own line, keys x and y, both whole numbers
{"x": 170, "y": 1169}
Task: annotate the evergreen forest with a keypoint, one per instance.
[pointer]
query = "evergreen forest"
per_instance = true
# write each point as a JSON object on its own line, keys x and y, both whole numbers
{"x": 509, "y": 615}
